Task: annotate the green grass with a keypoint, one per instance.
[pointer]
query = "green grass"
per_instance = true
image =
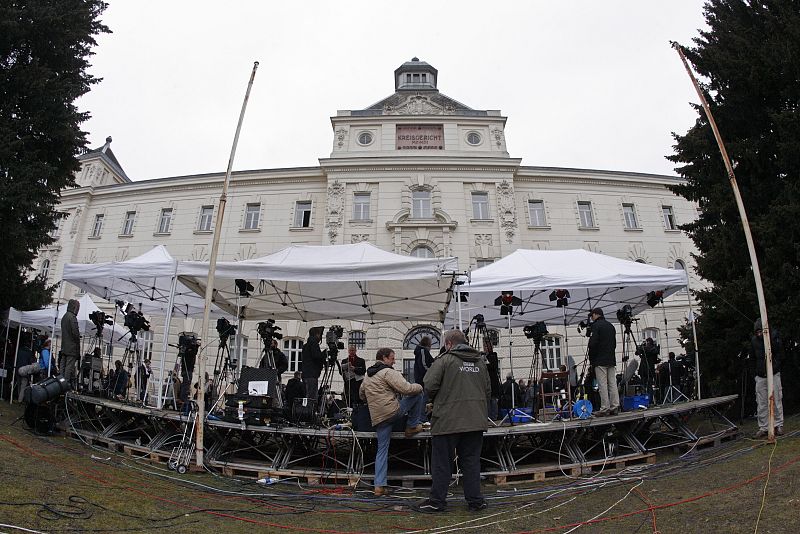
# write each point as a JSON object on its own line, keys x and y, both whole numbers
{"x": 59, "y": 484}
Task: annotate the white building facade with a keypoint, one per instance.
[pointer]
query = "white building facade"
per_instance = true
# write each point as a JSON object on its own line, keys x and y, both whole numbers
{"x": 416, "y": 173}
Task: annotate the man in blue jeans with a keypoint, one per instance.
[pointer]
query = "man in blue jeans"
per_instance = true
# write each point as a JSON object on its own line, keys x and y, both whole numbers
{"x": 381, "y": 388}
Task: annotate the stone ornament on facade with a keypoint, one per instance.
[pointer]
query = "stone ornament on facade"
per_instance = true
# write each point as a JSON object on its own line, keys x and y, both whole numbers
{"x": 418, "y": 105}
{"x": 199, "y": 254}
{"x": 334, "y": 210}
{"x": 359, "y": 238}
{"x": 91, "y": 256}
{"x": 247, "y": 251}
{"x": 122, "y": 254}
{"x": 341, "y": 134}
{"x": 506, "y": 209}
{"x": 75, "y": 221}
{"x": 484, "y": 246}
{"x": 497, "y": 134}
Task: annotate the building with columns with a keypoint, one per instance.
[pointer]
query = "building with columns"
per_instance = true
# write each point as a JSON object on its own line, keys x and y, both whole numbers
{"x": 415, "y": 173}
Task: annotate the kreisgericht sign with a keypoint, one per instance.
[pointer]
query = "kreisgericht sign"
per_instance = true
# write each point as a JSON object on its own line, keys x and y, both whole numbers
{"x": 420, "y": 138}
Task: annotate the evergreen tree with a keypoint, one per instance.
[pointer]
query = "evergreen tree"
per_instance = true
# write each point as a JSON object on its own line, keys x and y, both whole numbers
{"x": 749, "y": 64}
{"x": 44, "y": 51}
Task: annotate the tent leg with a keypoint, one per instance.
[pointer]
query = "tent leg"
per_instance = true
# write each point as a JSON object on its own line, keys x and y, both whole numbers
{"x": 167, "y": 325}
{"x": 16, "y": 355}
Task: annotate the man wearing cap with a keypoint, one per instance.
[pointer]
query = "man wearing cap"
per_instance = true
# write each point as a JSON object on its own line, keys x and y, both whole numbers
{"x": 759, "y": 354}
{"x": 603, "y": 358}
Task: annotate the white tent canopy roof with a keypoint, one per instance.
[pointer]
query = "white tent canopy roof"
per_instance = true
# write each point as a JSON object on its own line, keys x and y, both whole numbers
{"x": 46, "y": 318}
{"x": 310, "y": 283}
{"x": 593, "y": 281}
{"x": 145, "y": 280}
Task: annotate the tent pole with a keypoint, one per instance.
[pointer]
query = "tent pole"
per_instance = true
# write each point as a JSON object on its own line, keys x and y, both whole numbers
{"x": 751, "y": 249}
{"x": 167, "y": 325}
{"x": 16, "y": 355}
{"x": 694, "y": 337}
{"x": 212, "y": 267}
{"x": 458, "y": 308}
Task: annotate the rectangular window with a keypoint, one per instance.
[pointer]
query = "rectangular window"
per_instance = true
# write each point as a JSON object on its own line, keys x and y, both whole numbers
{"x": 165, "y": 221}
{"x": 551, "y": 353}
{"x": 302, "y": 214}
{"x": 252, "y": 213}
{"x": 98, "y": 225}
{"x": 56, "y": 231}
{"x": 536, "y": 213}
{"x": 585, "y": 213}
{"x": 629, "y": 213}
{"x": 206, "y": 214}
{"x": 241, "y": 348}
{"x": 357, "y": 338}
{"x": 361, "y": 206}
{"x": 293, "y": 349}
{"x": 669, "y": 218}
{"x": 480, "y": 205}
{"x": 421, "y": 205}
{"x": 146, "y": 344}
{"x": 127, "y": 224}
{"x": 483, "y": 262}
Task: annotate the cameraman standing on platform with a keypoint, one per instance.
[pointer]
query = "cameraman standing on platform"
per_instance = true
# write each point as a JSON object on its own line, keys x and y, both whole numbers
{"x": 312, "y": 361}
{"x": 458, "y": 383}
{"x": 353, "y": 370}
{"x": 603, "y": 357}
{"x": 70, "y": 340}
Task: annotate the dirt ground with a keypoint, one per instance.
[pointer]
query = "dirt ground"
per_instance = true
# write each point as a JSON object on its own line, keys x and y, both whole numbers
{"x": 56, "y": 484}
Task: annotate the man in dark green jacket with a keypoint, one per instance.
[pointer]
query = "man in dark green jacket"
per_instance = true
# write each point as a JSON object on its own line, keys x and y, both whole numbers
{"x": 458, "y": 384}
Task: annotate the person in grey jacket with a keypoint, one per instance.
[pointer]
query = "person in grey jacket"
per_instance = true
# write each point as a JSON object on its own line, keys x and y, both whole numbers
{"x": 70, "y": 339}
{"x": 458, "y": 383}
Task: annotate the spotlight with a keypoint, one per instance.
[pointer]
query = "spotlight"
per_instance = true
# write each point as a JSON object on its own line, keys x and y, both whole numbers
{"x": 654, "y": 297}
{"x": 561, "y": 296}
{"x": 507, "y": 301}
{"x": 244, "y": 287}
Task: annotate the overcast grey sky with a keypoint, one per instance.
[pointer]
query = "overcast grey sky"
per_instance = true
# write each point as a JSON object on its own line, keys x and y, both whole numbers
{"x": 584, "y": 84}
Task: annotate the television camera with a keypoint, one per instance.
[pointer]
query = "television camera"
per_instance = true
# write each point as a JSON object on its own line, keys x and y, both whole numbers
{"x": 536, "y": 332}
{"x": 225, "y": 329}
{"x": 135, "y": 322}
{"x": 625, "y": 317}
{"x": 100, "y": 319}
{"x": 586, "y": 325}
{"x": 332, "y": 338}
{"x": 268, "y": 331}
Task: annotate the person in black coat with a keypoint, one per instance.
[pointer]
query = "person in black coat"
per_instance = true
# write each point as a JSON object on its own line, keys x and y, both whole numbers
{"x": 353, "y": 369}
{"x": 603, "y": 358}
{"x": 511, "y": 394}
{"x": 312, "y": 361}
{"x": 295, "y": 389}
{"x": 422, "y": 359}
{"x": 759, "y": 354}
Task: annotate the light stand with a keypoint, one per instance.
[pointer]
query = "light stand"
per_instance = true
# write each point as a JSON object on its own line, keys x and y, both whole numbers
{"x": 673, "y": 394}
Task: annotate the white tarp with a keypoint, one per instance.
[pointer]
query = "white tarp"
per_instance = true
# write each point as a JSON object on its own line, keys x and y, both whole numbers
{"x": 145, "y": 280}
{"x": 593, "y": 281}
{"x": 46, "y": 318}
{"x": 309, "y": 283}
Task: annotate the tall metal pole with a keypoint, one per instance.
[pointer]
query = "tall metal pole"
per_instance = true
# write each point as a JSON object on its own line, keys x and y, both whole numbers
{"x": 212, "y": 267}
{"x": 762, "y": 304}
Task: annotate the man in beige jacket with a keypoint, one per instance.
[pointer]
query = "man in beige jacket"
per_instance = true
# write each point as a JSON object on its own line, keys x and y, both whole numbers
{"x": 381, "y": 388}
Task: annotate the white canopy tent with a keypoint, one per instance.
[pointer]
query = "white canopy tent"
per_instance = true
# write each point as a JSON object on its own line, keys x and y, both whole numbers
{"x": 50, "y": 319}
{"x": 149, "y": 281}
{"x": 338, "y": 282}
{"x": 593, "y": 281}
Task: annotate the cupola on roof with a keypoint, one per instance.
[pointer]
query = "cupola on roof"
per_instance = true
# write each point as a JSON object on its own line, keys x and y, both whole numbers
{"x": 415, "y": 75}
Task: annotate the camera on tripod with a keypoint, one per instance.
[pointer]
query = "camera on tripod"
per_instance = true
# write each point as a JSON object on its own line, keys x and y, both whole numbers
{"x": 99, "y": 319}
{"x": 479, "y": 321}
{"x": 625, "y": 316}
{"x": 268, "y": 331}
{"x": 225, "y": 329}
{"x": 332, "y": 338}
{"x": 535, "y": 331}
{"x": 188, "y": 344}
{"x": 135, "y": 322}
{"x": 586, "y": 324}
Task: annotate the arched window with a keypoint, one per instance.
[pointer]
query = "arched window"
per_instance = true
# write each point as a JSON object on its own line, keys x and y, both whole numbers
{"x": 640, "y": 260}
{"x": 357, "y": 338}
{"x": 423, "y": 252}
{"x": 679, "y": 265}
{"x": 293, "y": 348}
{"x": 45, "y": 270}
{"x": 415, "y": 335}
